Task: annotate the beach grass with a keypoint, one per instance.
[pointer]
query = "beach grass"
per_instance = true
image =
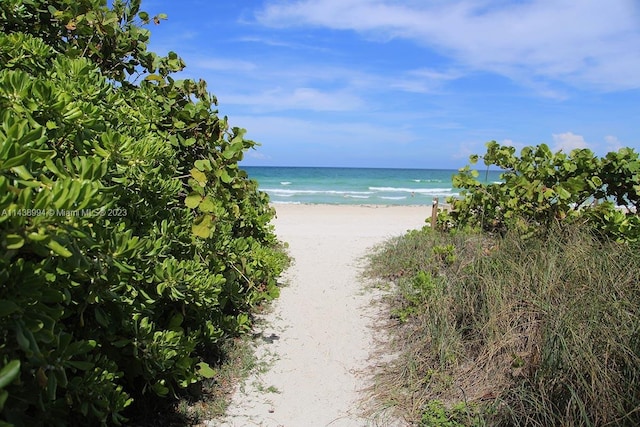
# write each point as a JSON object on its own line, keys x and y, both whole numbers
{"x": 506, "y": 331}
{"x": 212, "y": 398}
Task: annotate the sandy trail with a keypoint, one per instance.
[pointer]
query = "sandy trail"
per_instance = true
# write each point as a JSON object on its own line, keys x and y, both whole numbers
{"x": 318, "y": 335}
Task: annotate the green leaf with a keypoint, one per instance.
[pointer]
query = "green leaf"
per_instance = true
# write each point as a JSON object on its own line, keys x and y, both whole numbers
{"x": 14, "y": 241}
{"x": 34, "y": 135}
{"x": 62, "y": 377}
{"x": 101, "y": 317}
{"x": 160, "y": 389}
{"x": 193, "y": 200}
{"x": 121, "y": 343}
{"x": 22, "y": 172}
{"x": 15, "y": 161}
{"x": 83, "y": 366}
{"x": 37, "y": 237}
{"x": 9, "y": 372}
{"x": 176, "y": 321}
{"x": 4, "y": 394}
{"x": 205, "y": 370}
{"x": 42, "y": 154}
{"x": 199, "y": 176}
{"x": 563, "y": 193}
{"x": 203, "y": 165}
{"x": 225, "y": 177}
{"x": 203, "y": 226}
{"x": 52, "y": 386}
{"x": 7, "y": 307}
{"x": 59, "y": 249}
{"x": 229, "y": 153}
{"x": 23, "y": 341}
{"x": 207, "y": 205}
{"x": 154, "y": 77}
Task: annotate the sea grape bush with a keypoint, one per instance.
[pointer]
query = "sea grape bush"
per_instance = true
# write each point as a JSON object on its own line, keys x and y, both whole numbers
{"x": 131, "y": 243}
{"x": 540, "y": 188}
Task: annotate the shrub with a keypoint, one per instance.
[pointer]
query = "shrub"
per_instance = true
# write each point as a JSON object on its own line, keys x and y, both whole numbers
{"x": 131, "y": 243}
{"x": 540, "y": 188}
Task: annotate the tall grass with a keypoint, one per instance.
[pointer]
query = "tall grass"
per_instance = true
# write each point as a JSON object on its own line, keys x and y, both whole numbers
{"x": 533, "y": 332}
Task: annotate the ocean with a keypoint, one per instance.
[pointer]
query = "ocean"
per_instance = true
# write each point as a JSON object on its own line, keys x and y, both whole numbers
{"x": 356, "y": 186}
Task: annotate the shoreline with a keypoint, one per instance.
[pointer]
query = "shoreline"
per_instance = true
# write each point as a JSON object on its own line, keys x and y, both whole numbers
{"x": 427, "y": 206}
{"x": 355, "y": 205}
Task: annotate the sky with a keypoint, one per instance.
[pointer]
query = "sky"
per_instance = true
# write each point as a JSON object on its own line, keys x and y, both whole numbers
{"x": 411, "y": 83}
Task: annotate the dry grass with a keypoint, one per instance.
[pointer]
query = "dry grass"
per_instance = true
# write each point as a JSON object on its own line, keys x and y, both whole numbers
{"x": 526, "y": 332}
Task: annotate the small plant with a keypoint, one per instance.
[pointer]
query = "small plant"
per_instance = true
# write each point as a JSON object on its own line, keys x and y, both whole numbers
{"x": 446, "y": 253}
{"x": 436, "y": 414}
{"x": 416, "y": 292}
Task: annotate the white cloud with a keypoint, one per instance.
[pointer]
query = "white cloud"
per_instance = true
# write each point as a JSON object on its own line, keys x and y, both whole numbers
{"x": 466, "y": 149}
{"x": 280, "y": 130}
{"x": 266, "y": 85}
{"x": 287, "y": 141}
{"x": 257, "y": 155}
{"x": 423, "y": 80}
{"x": 587, "y": 43}
{"x": 304, "y": 98}
{"x": 612, "y": 143}
{"x": 274, "y": 42}
{"x": 224, "y": 65}
{"x": 568, "y": 141}
{"x": 517, "y": 145}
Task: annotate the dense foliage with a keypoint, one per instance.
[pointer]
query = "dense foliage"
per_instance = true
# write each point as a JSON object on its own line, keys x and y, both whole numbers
{"x": 131, "y": 243}
{"x": 540, "y": 188}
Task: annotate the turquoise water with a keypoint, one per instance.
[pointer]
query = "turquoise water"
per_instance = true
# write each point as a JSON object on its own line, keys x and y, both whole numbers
{"x": 356, "y": 186}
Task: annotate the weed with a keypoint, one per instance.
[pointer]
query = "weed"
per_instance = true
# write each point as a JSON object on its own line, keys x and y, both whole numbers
{"x": 436, "y": 414}
{"x": 212, "y": 399}
{"x": 446, "y": 253}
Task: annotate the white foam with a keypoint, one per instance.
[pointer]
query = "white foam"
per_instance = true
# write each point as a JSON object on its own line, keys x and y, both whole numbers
{"x": 280, "y": 191}
{"x": 412, "y": 190}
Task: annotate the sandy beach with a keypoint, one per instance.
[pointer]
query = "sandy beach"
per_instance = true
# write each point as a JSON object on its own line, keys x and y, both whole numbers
{"x": 318, "y": 337}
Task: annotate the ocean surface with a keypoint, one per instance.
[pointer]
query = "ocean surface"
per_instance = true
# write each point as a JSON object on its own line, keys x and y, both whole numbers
{"x": 357, "y": 186}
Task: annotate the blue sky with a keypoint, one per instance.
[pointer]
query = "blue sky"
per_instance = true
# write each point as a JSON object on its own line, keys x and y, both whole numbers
{"x": 412, "y": 83}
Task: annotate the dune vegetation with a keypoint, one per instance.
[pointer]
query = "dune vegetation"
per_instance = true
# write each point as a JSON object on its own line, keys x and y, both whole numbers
{"x": 520, "y": 308}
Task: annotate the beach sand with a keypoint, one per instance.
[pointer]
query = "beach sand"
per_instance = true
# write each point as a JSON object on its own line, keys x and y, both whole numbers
{"x": 318, "y": 337}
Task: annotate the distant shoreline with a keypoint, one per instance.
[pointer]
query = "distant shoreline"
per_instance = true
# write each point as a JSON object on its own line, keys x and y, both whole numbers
{"x": 355, "y": 186}
{"x": 361, "y": 205}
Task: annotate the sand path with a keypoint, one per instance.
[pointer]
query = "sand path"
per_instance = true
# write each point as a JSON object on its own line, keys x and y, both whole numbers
{"x": 318, "y": 336}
